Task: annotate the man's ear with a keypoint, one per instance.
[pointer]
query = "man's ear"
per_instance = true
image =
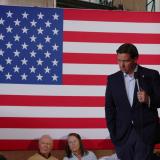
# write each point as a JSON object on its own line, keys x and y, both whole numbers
{"x": 135, "y": 59}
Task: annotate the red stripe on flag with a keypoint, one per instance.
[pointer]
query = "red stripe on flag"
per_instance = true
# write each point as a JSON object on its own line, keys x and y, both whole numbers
{"x": 106, "y": 58}
{"x": 58, "y": 144}
{"x": 149, "y": 59}
{"x": 103, "y": 15}
{"x": 14, "y": 100}
{"x": 111, "y": 37}
{"x": 15, "y": 122}
{"x": 90, "y": 58}
{"x": 84, "y": 79}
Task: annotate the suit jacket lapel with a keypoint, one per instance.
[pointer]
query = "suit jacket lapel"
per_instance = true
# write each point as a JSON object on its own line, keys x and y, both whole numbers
{"x": 135, "y": 99}
{"x": 123, "y": 88}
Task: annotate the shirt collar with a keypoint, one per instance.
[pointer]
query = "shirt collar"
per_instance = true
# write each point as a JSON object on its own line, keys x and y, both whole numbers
{"x": 44, "y": 155}
{"x": 135, "y": 70}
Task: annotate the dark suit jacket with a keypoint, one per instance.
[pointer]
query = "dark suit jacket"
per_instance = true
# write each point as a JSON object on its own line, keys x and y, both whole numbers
{"x": 121, "y": 117}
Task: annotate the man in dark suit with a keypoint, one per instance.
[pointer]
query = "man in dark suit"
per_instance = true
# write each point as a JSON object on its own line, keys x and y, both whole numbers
{"x": 132, "y": 99}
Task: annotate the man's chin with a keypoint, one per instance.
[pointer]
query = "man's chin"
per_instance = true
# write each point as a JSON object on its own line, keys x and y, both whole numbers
{"x": 45, "y": 153}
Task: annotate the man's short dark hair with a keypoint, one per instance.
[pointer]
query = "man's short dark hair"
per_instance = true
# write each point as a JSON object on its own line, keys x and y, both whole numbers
{"x": 128, "y": 48}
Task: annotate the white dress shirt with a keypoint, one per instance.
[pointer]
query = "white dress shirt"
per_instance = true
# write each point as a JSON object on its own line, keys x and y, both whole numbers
{"x": 130, "y": 86}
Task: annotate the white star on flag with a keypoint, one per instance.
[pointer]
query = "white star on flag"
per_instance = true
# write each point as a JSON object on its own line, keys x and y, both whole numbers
{"x": 55, "y": 62}
{"x": 55, "y": 77}
{"x": 8, "y": 76}
{"x": 1, "y": 52}
{"x": 33, "y": 23}
{"x": 9, "y": 14}
{"x": 24, "y": 76}
{"x": 24, "y": 61}
{"x": 24, "y": 45}
{"x": 33, "y": 38}
{"x": 1, "y": 36}
{"x": 39, "y": 62}
{"x": 47, "y": 38}
{"x": 48, "y": 24}
{"x": 16, "y": 37}
{"x": 33, "y": 53}
{"x": 9, "y": 29}
{"x": 25, "y": 15}
{"x": 1, "y": 21}
{"x": 40, "y": 31}
{"x": 24, "y": 30}
{"x": 1, "y": 68}
{"x": 40, "y": 16}
{"x": 47, "y": 54}
{"x": 55, "y": 16}
{"x": 40, "y": 46}
{"x": 16, "y": 68}
{"x": 55, "y": 47}
{"x": 9, "y": 45}
{"x": 47, "y": 69}
{"x": 32, "y": 69}
{"x": 17, "y": 22}
{"x": 16, "y": 53}
{"x": 39, "y": 77}
{"x": 55, "y": 31}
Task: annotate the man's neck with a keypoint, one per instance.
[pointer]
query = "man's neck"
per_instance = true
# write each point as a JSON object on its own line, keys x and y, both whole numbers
{"x": 45, "y": 155}
{"x": 77, "y": 153}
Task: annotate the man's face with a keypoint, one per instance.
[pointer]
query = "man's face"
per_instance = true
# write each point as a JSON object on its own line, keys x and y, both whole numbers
{"x": 126, "y": 63}
{"x": 45, "y": 146}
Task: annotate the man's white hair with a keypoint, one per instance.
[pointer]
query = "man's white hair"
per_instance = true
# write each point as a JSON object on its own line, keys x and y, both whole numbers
{"x": 45, "y": 136}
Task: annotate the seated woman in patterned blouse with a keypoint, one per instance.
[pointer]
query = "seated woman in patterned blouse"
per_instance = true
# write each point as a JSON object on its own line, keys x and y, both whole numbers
{"x": 75, "y": 149}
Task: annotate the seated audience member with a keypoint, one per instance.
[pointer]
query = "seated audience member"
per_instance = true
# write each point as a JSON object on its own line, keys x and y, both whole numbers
{"x": 45, "y": 148}
{"x": 75, "y": 150}
{"x": 2, "y": 157}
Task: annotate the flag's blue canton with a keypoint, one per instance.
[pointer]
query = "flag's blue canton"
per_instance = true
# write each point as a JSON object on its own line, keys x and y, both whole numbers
{"x": 31, "y": 45}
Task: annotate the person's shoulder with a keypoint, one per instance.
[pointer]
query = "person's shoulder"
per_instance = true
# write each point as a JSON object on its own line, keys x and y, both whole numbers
{"x": 53, "y": 158}
{"x": 65, "y": 158}
{"x": 148, "y": 70}
{"x": 33, "y": 157}
{"x": 115, "y": 74}
{"x": 91, "y": 153}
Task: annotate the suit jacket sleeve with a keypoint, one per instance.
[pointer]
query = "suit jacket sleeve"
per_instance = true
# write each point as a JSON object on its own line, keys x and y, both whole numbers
{"x": 110, "y": 112}
{"x": 155, "y": 96}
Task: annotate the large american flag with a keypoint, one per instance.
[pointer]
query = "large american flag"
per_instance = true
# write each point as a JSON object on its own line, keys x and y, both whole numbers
{"x": 53, "y": 70}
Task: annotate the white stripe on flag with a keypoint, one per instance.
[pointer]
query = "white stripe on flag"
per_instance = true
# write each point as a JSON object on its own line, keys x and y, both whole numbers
{"x": 116, "y": 27}
{"x": 90, "y": 69}
{"x": 27, "y": 134}
{"x": 105, "y": 48}
{"x": 52, "y": 112}
{"x": 51, "y": 90}
{"x": 96, "y": 69}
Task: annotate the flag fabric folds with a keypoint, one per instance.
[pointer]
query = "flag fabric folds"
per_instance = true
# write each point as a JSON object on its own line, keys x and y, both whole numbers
{"x": 53, "y": 70}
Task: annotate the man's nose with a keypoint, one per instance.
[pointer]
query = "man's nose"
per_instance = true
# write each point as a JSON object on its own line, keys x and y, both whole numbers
{"x": 122, "y": 64}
